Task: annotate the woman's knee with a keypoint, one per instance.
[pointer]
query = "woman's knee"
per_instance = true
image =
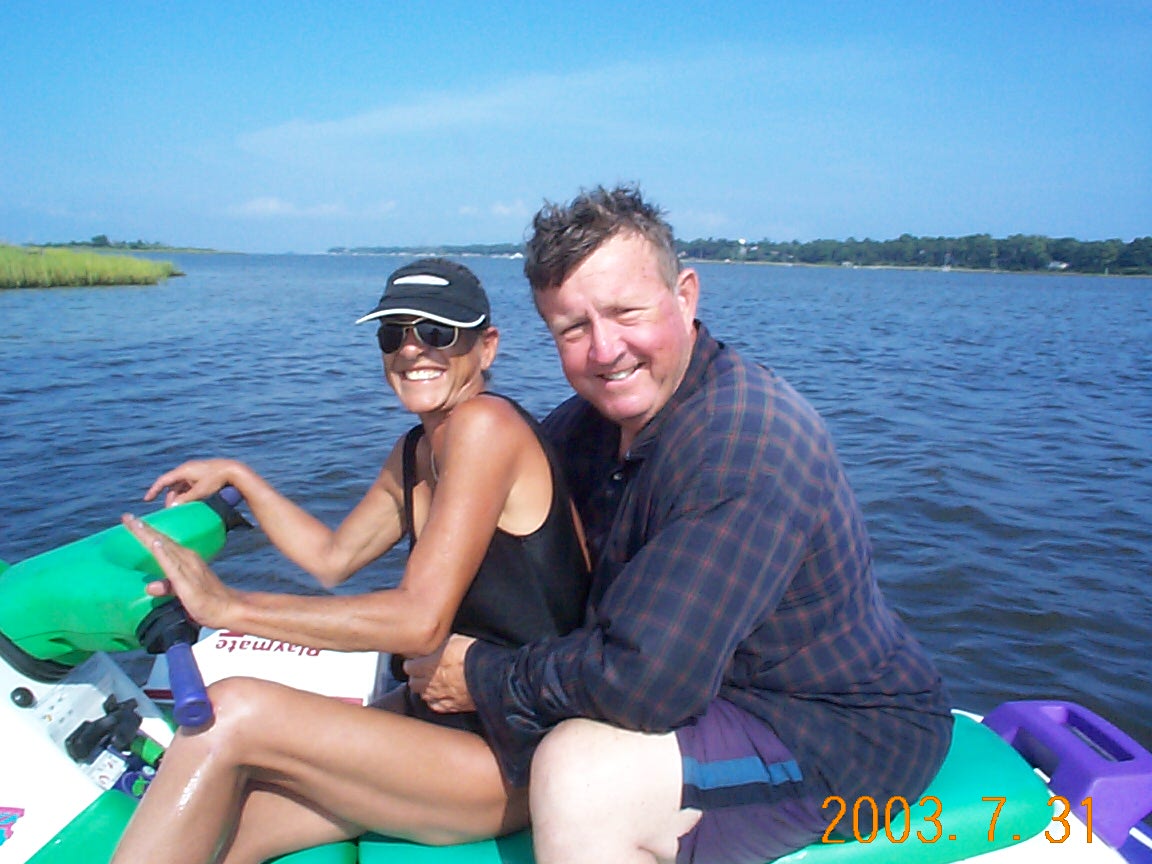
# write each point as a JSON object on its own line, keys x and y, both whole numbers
{"x": 237, "y": 706}
{"x": 238, "y": 699}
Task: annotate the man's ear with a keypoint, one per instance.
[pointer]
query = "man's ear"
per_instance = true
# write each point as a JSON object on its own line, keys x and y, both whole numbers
{"x": 688, "y": 294}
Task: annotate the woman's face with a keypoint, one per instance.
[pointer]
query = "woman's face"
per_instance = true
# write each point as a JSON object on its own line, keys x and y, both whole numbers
{"x": 434, "y": 380}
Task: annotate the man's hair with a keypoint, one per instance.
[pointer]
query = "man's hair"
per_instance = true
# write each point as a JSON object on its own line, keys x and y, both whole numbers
{"x": 563, "y": 236}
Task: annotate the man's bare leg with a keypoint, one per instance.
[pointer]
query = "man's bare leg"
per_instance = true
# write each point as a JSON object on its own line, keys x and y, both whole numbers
{"x": 600, "y": 793}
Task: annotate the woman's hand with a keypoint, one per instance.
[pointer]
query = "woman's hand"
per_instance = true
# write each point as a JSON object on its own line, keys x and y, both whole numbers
{"x": 438, "y": 678}
{"x": 206, "y": 599}
{"x": 195, "y": 480}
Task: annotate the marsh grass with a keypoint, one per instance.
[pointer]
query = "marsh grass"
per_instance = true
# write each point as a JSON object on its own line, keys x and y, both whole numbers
{"x": 34, "y": 267}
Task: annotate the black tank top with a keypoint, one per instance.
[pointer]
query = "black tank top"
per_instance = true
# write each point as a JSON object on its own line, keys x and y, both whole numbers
{"x": 527, "y": 587}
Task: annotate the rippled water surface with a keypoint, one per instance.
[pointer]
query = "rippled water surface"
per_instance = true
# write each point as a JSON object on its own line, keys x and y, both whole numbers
{"x": 997, "y": 429}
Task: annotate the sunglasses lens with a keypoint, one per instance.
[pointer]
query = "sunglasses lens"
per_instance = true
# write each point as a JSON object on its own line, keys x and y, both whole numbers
{"x": 436, "y": 335}
{"x": 390, "y": 337}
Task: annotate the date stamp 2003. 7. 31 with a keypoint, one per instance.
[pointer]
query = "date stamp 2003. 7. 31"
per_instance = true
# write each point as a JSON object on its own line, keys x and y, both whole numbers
{"x": 867, "y": 816}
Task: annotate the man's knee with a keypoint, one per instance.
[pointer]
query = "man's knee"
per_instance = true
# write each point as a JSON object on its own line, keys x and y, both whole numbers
{"x": 592, "y": 762}
{"x": 566, "y": 747}
{"x": 593, "y": 780}
{"x": 580, "y": 755}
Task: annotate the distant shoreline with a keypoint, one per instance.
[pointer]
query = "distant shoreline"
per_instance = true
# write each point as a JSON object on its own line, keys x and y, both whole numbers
{"x": 418, "y": 252}
{"x": 131, "y": 247}
{"x": 974, "y": 253}
{"x": 913, "y": 268}
{"x": 1018, "y": 253}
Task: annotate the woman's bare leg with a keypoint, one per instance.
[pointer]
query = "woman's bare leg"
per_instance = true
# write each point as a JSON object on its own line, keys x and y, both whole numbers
{"x": 281, "y": 769}
{"x": 273, "y": 823}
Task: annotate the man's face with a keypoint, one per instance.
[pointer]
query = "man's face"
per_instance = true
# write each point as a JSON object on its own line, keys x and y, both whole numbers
{"x": 624, "y": 337}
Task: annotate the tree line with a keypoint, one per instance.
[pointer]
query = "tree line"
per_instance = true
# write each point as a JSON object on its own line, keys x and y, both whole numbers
{"x": 1021, "y": 252}
{"x": 101, "y": 241}
{"x": 505, "y": 249}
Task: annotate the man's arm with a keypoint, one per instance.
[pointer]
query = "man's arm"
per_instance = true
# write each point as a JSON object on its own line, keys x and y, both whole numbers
{"x": 655, "y": 651}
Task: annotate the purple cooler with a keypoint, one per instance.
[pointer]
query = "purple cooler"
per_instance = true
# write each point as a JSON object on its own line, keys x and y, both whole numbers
{"x": 1085, "y": 757}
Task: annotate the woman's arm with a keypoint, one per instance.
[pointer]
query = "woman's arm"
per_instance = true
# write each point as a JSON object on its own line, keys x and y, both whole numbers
{"x": 489, "y": 461}
{"x": 369, "y": 530}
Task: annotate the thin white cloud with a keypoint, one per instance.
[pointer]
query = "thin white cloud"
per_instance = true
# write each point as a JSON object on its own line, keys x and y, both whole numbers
{"x": 627, "y": 113}
{"x": 537, "y": 101}
{"x": 377, "y": 210}
{"x": 271, "y": 207}
{"x": 517, "y": 209}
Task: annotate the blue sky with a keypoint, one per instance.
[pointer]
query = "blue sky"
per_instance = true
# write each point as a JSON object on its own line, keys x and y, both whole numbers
{"x": 297, "y": 126}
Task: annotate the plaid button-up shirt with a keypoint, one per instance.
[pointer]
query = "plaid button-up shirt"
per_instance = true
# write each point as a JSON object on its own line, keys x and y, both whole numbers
{"x": 731, "y": 560}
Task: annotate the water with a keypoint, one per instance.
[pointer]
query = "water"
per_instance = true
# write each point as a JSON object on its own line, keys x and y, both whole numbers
{"x": 997, "y": 429}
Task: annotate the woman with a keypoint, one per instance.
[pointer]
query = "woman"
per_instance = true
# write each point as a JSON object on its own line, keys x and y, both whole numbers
{"x": 496, "y": 552}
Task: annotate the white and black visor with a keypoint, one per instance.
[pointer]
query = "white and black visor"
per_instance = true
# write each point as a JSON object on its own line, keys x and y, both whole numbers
{"x": 433, "y": 288}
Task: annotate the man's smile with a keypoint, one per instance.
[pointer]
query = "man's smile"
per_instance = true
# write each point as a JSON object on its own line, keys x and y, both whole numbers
{"x": 620, "y": 375}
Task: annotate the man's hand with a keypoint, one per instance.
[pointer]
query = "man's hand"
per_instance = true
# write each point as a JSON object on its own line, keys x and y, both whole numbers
{"x": 438, "y": 678}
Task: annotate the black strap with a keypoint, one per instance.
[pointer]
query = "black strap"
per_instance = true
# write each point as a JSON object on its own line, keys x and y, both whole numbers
{"x": 410, "y": 441}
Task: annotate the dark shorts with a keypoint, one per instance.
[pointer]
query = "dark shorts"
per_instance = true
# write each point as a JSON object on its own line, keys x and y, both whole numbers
{"x": 757, "y": 803}
{"x": 410, "y": 704}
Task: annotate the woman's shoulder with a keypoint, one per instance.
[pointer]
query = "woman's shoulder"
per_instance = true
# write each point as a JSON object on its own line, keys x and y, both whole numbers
{"x": 490, "y": 416}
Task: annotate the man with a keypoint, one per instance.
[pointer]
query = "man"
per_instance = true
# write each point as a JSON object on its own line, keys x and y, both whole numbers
{"x": 738, "y": 663}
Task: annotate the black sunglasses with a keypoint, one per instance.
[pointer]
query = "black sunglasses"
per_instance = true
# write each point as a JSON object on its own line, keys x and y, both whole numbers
{"x": 441, "y": 336}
